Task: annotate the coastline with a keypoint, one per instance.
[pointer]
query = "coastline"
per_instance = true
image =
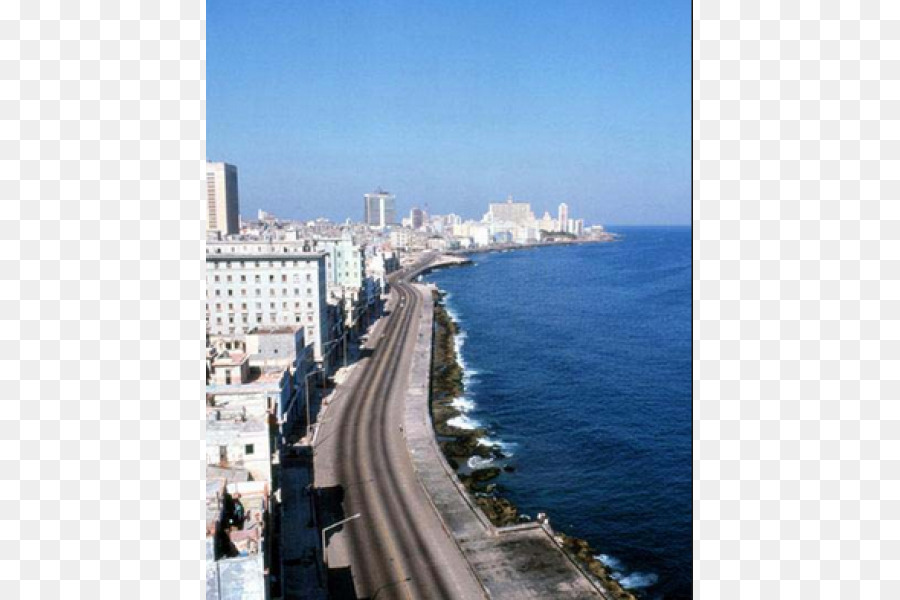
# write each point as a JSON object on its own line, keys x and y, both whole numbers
{"x": 605, "y": 239}
{"x": 461, "y": 446}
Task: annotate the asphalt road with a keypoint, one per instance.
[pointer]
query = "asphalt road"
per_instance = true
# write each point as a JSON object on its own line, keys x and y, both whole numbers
{"x": 398, "y": 548}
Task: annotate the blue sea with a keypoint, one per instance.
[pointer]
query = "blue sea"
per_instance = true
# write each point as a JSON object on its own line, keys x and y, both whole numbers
{"x": 578, "y": 361}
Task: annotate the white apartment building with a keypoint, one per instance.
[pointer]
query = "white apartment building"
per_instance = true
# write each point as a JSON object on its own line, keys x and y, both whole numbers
{"x": 518, "y": 213}
{"x": 222, "y": 198}
{"x": 253, "y": 284}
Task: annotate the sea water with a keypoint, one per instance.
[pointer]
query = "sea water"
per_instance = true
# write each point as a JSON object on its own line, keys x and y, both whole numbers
{"x": 578, "y": 362}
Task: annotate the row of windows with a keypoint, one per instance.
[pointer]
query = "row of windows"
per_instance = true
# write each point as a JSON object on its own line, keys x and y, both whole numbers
{"x": 273, "y": 317}
{"x": 258, "y": 278}
{"x": 259, "y": 306}
{"x": 258, "y": 292}
{"x": 268, "y": 264}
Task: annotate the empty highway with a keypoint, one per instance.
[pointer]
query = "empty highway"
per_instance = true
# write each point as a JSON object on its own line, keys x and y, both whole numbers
{"x": 398, "y": 547}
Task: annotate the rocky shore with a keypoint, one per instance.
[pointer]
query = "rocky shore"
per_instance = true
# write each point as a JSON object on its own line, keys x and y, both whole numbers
{"x": 460, "y": 445}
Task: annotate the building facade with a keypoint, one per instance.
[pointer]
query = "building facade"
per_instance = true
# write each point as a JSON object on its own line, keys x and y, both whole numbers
{"x": 563, "y": 217}
{"x": 263, "y": 284}
{"x": 222, "y": 204}
{"x": 518, "y": 213}
{"x": 380, "y": 209}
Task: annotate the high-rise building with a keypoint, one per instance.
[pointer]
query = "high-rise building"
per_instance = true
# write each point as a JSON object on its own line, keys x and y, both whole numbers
{"x": 417, "y": 218}
{"x": 380, "y": 209}
{"x": 222, "y": 198}
{"x": 518, "y": 213}
{"x": 563, "y": 217}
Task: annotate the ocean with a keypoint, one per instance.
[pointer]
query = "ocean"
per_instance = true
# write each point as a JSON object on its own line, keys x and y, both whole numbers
{"x": 578, "y": 361}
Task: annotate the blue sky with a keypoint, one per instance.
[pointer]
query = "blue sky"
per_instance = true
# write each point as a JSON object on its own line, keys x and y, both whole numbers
{"x": 454, "y": 104}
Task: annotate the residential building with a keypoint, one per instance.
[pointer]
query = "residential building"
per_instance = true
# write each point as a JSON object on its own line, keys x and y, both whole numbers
{"x": 518, "y": 213}
{"x": 250, "y": 284}
{"x": 222, "y": 211}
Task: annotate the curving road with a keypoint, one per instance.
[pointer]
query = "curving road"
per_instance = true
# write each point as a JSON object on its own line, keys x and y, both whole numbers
{"x": 398, "y": 548}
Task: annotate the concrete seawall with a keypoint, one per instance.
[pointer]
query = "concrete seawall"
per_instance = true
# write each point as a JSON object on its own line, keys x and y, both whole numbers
{"x": 521, "y": 561}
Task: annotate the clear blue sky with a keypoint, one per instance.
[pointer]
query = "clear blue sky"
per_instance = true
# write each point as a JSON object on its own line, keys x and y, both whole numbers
{"x": 454, "y": 104}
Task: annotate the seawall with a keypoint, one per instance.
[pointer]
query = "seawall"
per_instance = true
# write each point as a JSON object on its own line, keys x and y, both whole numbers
{"x": 520, "y": 561}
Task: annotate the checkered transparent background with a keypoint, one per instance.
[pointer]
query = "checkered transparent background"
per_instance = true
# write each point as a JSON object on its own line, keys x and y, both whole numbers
{"x": 102, "y": 145}
{"x": 795, "y": 240}
{"x": 796, "y": 299}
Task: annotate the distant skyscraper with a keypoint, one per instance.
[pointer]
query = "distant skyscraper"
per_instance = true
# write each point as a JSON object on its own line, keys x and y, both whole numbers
{"x": 563, "y": 217}
{"x": 222, "y": 198}
{"x": 380, "y": 209}
{"x": 417, "y": 218}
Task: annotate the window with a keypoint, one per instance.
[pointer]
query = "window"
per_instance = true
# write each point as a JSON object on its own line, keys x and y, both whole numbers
{"x": 248, "y": 449}
{"x": 297, "y": 319}
{"x": 231, "y": 292}
{"x": 256, "y": 277}
{"x": 271, "y": 279}
{"x": 284, "y": 279}
{"x": 218, "y": 292}
{"x": 308, "y": 277}
{"x": 243, "y": 278}
{"x": 217, "y": 279}
{"x": 228, "y": 279}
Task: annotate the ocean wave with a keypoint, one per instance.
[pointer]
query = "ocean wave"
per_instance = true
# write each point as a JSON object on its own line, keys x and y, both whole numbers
{"x": 462, "y": 404}
{"x": 505, "y": 447}
{"x": 631, "y": 580}
{"x": 476, "y": 462}
{"x": 639, "y": 580}
{"x": 610, "y": 561}
{"x": 463, "y": 422}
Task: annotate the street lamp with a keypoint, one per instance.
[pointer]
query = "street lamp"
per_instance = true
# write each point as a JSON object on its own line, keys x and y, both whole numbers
{"x": 326, "y": 529}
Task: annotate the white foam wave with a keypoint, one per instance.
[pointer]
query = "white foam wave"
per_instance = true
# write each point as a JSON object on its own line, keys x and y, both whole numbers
{"x": 638, "y": 580}
{"x": 463, "y": 404}
{"x": 505, "y": 447}
{"x": 610, "y": 561}
{"x": 463, "y": 422}
{"x": 476, "y": 462}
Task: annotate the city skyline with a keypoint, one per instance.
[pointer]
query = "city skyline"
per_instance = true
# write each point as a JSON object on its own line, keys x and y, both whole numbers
{"x": 452, "y": 109}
